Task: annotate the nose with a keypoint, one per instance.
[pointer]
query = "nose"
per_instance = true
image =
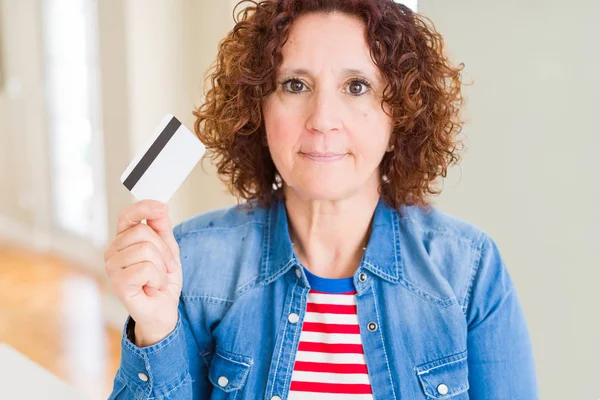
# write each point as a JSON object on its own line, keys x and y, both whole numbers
{"x": 324, "y": 112}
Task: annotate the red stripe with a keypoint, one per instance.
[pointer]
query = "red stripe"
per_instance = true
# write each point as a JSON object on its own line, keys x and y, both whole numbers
{"x": 331, "y": 347}
{"x": 330, "y": 328}
{"x": 350, "y": 388}
{"x": 330, "y": 308}
{"x": 329, "y": 367}
{"x": 319, "y": 292}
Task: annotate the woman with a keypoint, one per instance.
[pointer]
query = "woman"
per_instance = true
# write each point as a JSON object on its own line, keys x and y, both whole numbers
{"x": 335, "y": 279}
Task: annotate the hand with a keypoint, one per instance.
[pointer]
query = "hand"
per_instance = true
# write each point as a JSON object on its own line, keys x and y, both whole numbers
{"x": 144, "y": 269}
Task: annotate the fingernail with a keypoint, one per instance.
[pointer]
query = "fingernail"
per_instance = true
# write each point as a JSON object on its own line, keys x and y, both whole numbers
{"x": 174, "y": 265}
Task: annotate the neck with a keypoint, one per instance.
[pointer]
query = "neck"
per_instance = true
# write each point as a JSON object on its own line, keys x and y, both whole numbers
{"x": 329, "y": 236}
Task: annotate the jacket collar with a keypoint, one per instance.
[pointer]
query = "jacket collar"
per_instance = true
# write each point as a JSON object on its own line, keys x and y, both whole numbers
{"x": 382, "y": 256}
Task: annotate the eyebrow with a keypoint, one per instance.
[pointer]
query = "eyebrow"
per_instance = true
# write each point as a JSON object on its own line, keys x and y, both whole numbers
{"x": 345, "y": 72}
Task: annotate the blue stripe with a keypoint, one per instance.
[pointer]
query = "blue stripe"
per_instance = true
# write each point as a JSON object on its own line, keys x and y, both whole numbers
{"x": 329, "y": 285}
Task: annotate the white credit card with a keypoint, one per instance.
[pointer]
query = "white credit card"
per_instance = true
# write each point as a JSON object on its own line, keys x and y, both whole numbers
{"x": 166, "y": 160}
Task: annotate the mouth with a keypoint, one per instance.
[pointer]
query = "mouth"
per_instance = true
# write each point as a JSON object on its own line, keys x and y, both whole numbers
{"x": 324, "y": 157}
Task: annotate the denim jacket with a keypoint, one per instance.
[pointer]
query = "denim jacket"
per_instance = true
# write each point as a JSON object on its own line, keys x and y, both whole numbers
{"x": 447, "y": 320}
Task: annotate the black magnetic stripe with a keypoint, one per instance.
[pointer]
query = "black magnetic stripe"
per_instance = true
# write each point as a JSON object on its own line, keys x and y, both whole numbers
{"x": 152, "y": 153}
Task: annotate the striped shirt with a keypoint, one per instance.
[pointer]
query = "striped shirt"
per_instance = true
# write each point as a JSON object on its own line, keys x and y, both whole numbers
{"x": 330, "y": 362}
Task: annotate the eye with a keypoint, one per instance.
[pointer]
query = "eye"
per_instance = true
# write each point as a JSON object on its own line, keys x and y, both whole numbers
{"x": 354, "y": 87}
{"x": 293, "y": 85}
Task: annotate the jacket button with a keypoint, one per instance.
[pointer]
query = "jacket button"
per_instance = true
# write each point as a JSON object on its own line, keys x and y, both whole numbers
{"x": 442, "y": 389}
{"x": 298, "y": 273}
{"x": 275, "y": 398}
{"x": 223, "y": 381}
{"x": 362, "y": 277}
{"x": 293, "y": 318}
{"x": 143, "y": 377}
{"x": 372, "y": 326}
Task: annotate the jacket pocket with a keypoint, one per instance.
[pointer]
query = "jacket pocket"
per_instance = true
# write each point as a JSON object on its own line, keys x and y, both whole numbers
{"x": 228, "y": 373}
{"x": 445, "y": 377}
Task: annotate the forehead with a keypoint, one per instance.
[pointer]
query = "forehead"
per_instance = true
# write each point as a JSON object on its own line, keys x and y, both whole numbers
{"x": 332, "y": 41}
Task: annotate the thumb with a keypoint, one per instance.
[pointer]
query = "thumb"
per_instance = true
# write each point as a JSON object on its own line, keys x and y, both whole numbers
{"x": 163, "y": 227}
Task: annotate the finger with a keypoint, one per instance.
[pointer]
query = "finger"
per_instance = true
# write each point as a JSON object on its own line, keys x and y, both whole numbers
{"x": 133, "y": 278}
{"x": 164, "y": 229}
{"x": 109, "y": 251}
{"x": 138, "y": 234}
{"x": 136, "y": 253}
{"x": 135, "y": 213}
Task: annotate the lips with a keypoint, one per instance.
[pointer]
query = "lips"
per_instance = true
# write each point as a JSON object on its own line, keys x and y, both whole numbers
{"x": 324, "y": 156}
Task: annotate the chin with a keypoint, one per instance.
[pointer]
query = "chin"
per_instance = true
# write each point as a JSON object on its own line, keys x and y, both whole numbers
{"x": 324, "y": 189}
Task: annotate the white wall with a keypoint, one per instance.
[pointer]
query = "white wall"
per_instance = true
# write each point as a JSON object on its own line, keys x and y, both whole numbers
{"x": 152, "y": 60}
{"x": 529, "y": 176}
{"x": 22, "y": 145}
{"x": 165, "y": 74}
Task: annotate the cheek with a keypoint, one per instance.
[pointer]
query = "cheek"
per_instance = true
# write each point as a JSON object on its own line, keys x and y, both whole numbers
{"x": 274, "y": 116}
{"x": 280, "y": 125}
{"x": 373, "y": 128}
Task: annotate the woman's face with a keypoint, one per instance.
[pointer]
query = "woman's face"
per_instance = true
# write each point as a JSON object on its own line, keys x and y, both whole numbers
{"x": 325, "y": 127}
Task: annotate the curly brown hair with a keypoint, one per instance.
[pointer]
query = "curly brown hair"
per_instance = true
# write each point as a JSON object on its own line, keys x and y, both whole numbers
{"x": 423, "y": 91}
